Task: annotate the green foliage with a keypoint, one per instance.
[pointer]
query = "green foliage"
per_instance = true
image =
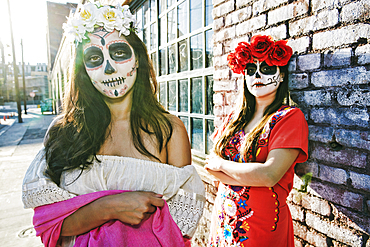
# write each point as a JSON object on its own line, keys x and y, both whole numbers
{"x": 306, "y": 179}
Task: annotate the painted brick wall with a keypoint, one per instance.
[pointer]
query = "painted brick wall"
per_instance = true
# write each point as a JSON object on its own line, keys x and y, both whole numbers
{"x": 329, "y": 80}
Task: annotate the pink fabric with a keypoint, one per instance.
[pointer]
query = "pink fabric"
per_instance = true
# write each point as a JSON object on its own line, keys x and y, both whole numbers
{"x": 158, "y": 230}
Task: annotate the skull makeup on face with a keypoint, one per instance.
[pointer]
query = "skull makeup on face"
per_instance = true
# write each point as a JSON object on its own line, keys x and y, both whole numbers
{"x": 110, "y": 63}
{"x": 262, "y": 79}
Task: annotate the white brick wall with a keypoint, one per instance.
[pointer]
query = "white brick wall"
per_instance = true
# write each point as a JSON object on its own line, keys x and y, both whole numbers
{"x": 355, "y": 11}
{"x": 363, "y": 53}
{"x": 324, "y": 19}
{"x": 264, "y": 5}
{"x": 288, "y": 12}
{"x": 251, "y": 25}
{"x": 238, "y": 16}
{"x": 342, "y": 36}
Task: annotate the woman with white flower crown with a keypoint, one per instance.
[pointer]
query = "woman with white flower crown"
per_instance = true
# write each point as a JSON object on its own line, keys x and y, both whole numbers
{"x": 255, "y": 151}
{"x": 116, "y": 168}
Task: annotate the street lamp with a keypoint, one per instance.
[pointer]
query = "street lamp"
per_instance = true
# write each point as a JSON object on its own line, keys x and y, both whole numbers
{"x": 24, "y": 82}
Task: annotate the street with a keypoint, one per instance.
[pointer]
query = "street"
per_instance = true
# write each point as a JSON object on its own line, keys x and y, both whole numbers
{"x": 19, "y": 143}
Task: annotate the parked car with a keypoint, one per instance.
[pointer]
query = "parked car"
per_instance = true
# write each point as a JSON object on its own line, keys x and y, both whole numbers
{"x": 46, "y": 105}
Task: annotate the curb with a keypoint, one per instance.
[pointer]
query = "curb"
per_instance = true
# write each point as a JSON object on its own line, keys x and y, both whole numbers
{"x": 6, "y": 127}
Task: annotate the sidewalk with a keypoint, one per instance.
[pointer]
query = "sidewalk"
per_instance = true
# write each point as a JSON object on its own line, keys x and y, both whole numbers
{"x": 19, "y": 143}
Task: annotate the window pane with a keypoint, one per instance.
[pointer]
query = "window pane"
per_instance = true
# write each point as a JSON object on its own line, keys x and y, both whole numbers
{"x": 163, "y": 31}
{"x": 170, "y": 2}
{"x": 162, "y": 62}
{"x": 197, "y": 134}
{"x": 153, "y": 15}
{"x": 139, "y": 18}
{"x": 182, "y": 19}
{"x": 210, "y": 129}
{"x": 162, "y": 94}
{"x": 145, "y": 37}
{"x": 196, "y": 95}
{"x": 153, "y": 37}
{"x": 196, "y": 51}
{"x": 172, "y": 59}
{"x": 183, "y": 95}
{"x": 146, "y": 12}
{"x": 209, "y": 48}
{"x": 209, "y": 87}
{"x": 185, "y": 120}
{"x": 172, "y": 95}
{"x": 153, "y": 56}
{"x": 195, "y": 15}
{"x": 183, "y": 55}
{"x": 209, "y": 7}
{"x": 171, "y": 25}
{"x": 162, "y": 5}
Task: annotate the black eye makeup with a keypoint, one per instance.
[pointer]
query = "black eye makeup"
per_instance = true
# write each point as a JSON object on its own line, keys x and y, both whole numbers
{"x": 93, "y": 57}
{"x": 120, "y": 51}
{"x": 267, "y": 70}
{"x": 251, "y": 69}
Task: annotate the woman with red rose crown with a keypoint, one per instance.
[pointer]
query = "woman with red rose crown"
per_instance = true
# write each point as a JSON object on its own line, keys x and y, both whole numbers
{"x": 255, "y": 151}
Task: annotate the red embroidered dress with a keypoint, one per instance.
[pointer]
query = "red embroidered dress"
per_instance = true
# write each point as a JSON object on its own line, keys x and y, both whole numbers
{"x": 259, "y": 216}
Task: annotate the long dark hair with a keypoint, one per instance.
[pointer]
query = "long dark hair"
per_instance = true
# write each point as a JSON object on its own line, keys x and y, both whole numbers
{"x": 244, "y": 112}
{"x": 76, "y": 138}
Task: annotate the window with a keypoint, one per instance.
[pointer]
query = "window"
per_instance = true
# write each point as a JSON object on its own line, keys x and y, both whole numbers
{"x": 179, "y": 42}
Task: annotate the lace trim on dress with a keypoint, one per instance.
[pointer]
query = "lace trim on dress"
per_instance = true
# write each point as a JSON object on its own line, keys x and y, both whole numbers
{"x": 45, "y": 194}
{"x": 186, "y": 210}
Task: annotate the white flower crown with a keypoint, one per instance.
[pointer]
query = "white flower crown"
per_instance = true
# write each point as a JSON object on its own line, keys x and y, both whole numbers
{"x": 94, "y": 14}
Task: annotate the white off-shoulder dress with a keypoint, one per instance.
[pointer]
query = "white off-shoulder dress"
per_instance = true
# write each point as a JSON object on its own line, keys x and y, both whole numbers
{"x": 182, "y": 187}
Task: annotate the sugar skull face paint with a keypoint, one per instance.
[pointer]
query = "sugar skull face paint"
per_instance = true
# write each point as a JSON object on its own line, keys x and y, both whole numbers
{"x": 110, "y": 63}
{"x": 261, "y": 79}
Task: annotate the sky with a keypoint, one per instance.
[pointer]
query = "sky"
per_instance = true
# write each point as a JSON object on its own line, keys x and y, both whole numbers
{"x": 29, "y": 24}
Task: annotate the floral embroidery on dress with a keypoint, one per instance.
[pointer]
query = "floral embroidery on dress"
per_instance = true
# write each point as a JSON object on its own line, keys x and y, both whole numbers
{"x": 234, "y": 212}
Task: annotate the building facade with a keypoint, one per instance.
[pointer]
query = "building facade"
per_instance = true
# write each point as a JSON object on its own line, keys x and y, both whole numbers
{"x": 36, "y": 81}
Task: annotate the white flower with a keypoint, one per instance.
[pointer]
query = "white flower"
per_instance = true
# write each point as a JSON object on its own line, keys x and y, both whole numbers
{"x": 122, "y": 8}
{"x": 230, "y": 207}
{"x": 75, "y": 27}
{"x": 127, "y": 18}
{"x": 88, "y": 16}
{"x": 124, "y": 31}
{"x": 95, "y": 14}
{"x": 109, "y": 18}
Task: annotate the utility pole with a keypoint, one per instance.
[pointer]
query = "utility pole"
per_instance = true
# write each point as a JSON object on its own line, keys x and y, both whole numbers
{"x": 24, "y": 82}
{"x": 5, "y": 72}
{"x": 3, "y": 67}
{"x": 15, "y": 70}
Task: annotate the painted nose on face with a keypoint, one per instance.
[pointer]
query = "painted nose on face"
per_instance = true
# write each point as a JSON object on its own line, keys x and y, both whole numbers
{"x": 109, "y": 69}
{"x": 258, "y": 75}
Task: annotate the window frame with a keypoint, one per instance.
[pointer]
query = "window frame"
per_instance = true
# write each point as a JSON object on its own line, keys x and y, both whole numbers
{"x": 176, "y": 76}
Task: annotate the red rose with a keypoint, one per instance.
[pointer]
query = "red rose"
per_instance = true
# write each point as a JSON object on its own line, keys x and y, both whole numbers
{"x": 234, "y": 64}
{"x": 261, "y": 45}
{"x": 243, "y": 53}
{"x": 279, "y": 54}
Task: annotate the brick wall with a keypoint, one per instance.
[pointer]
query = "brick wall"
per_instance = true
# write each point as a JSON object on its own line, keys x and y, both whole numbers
{"x": 329, "y": 80}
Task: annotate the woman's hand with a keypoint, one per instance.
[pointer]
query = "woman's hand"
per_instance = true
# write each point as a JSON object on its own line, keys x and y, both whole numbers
{"x": 214, "y": 168}
{"x": 132, "y": 207}
{"x": 129, "y": 207}
{"x": 214, "y": 162}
